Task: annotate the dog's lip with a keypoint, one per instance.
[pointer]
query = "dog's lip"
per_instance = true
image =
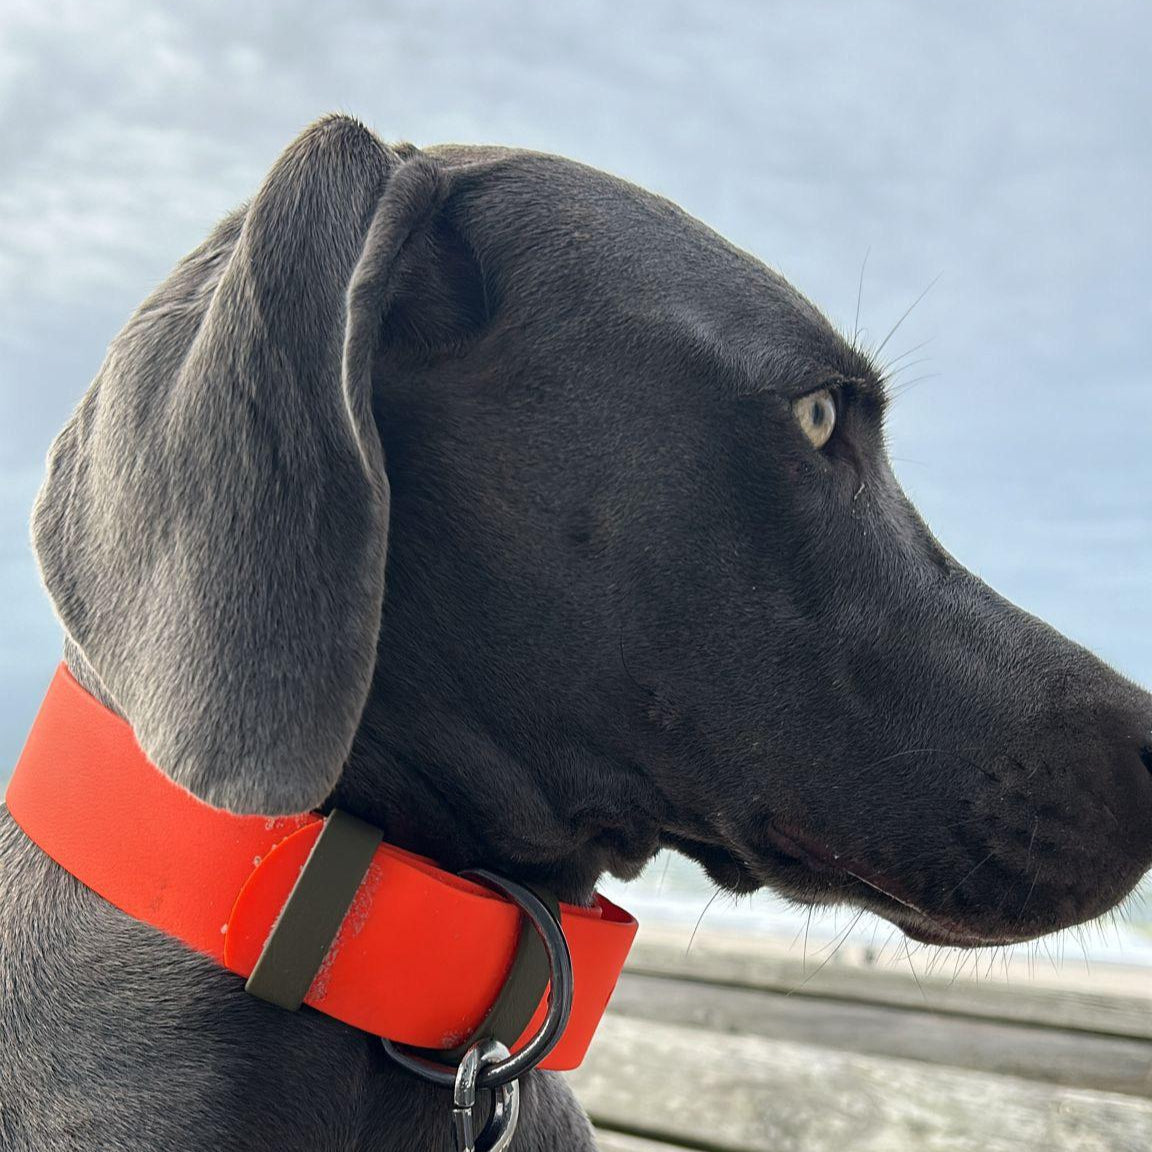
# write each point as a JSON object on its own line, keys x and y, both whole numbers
{"x": 800, "y": 846}
{"x": 932, "y": 932}
{"x": 847, "y": 879}
{"x": 886, "y": 895}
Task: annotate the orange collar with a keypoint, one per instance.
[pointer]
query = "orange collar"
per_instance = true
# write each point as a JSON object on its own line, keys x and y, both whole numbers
{"x": 421, "y": 955}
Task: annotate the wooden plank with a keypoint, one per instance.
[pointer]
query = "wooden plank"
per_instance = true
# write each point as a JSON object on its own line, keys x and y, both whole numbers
{"x": 617, "y": 1142}
{"x": 1076, "y": 1059}
{"x": 741, "y": 965}
{"x": 747, "y": 1094}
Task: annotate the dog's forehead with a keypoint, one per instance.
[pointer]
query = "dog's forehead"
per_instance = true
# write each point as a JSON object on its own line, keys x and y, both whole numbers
{"x": 563, "y": 234}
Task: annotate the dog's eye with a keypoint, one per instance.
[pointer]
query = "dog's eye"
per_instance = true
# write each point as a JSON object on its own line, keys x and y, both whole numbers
{"x": 816, "y": 414}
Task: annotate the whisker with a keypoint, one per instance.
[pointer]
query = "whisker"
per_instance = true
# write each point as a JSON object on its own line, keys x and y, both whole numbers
{"x": 971, "y": 872}
{"x": 907, "y": 312}
{"x": 912, "y": 969}
{"x": 908, "y": 385}
{"x": 841, "y": 938}
{"x": 859, "y": 297}
{"x": 700, "y": 920}
{"x": 907, "y": 352}
{"x": 890, "y": 376}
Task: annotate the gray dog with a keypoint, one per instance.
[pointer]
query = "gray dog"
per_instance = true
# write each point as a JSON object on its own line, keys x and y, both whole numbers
{"x": 650, "y": 582}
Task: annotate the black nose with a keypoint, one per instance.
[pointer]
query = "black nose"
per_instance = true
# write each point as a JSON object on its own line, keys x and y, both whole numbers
{"x": 1146, "y": 754}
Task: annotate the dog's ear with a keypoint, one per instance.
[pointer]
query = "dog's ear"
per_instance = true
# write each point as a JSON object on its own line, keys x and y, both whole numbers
{"x": 213, "y": 525}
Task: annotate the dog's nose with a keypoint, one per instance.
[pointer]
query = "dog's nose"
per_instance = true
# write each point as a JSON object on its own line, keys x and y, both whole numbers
{"x": 1130, "y": 794}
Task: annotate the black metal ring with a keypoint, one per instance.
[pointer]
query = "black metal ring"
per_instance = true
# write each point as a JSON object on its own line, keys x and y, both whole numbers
{"x": 560, "y": 989}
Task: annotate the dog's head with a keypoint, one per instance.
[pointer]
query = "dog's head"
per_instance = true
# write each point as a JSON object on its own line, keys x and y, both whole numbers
{"x": 650, "y": 579}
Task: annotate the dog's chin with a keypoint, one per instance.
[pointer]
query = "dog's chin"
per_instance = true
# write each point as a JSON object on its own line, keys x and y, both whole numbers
{"x": 724, "y": 868}
{"x": 805, "y": 872}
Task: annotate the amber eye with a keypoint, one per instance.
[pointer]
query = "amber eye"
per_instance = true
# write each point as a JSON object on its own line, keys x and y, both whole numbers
{"x": 816, "y": 414}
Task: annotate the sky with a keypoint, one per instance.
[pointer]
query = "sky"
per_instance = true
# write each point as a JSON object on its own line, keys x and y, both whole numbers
{"x": 993, "y": 159}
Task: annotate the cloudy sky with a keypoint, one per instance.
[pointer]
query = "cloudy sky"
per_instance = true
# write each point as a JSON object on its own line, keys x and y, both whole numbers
{"x": 999, "y": 152}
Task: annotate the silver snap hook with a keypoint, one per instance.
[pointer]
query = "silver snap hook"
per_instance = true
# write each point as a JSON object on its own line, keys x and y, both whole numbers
{"x": 501, "y": 1127}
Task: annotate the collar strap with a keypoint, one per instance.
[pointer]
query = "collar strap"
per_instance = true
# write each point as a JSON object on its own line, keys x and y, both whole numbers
{"x": 421, "y": 955}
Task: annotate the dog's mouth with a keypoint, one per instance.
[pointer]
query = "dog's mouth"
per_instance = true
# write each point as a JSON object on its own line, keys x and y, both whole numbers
{"x": 806, "y": 871}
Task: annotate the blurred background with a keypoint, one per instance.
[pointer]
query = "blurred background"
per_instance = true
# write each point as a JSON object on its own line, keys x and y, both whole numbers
{"x": 978, "y": 172}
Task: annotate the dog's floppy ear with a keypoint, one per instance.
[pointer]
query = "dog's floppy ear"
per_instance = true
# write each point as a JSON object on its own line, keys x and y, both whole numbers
{"x": 213, "y": 525}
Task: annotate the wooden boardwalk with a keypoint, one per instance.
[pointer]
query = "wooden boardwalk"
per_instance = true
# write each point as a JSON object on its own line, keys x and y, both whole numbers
{"x": 737, "y": 1048}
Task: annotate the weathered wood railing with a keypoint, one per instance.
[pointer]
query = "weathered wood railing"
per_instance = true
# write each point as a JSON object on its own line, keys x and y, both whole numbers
{"x": 738, "y": 1046}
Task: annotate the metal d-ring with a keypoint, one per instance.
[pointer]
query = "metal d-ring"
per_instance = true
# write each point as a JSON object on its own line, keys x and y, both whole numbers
{"x": 560, "y": 988}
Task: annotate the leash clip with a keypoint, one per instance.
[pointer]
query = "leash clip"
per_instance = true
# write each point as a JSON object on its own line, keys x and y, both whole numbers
{"x": 497, "y": 1134}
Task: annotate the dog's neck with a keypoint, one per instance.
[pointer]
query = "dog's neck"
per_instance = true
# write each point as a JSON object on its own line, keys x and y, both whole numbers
{"x": 414, "y": 814}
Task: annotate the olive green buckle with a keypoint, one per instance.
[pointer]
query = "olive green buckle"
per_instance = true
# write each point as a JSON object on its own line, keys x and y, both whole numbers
{"x": 315, "y": 909}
